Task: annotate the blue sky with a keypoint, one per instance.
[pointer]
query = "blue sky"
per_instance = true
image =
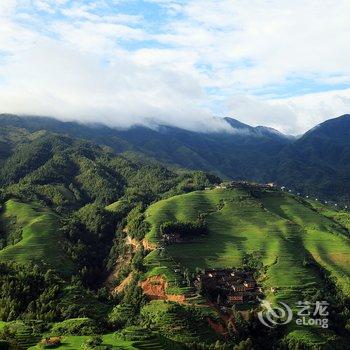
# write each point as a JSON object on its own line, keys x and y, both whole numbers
{"x": 283, "y": 64}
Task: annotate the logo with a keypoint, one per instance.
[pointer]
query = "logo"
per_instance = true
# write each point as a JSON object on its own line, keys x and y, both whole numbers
{"x": 309, "y": 314}
{"x": 277, "y": 315}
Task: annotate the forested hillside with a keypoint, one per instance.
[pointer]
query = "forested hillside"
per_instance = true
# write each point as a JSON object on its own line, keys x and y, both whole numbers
{"x": 242, "y": 152}
{"x": 318, "y": 163}
{"x": 315, "y": 163}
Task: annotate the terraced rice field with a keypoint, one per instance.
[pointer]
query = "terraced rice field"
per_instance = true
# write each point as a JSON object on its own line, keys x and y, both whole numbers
{"x": 23, "y": 334}
{"x": 326, "y": 240}
{"x": 142, "y": 340}
{"x": 74, "y": 342}
{"x": 283, "y": 230}
{"x": 40, "y": 241}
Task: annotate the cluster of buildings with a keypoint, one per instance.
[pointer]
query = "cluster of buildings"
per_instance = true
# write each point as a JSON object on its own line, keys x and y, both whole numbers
{"x": 267, "y": 186}
{"x": 246, "y": 185}
{"x": 228, "y": 286}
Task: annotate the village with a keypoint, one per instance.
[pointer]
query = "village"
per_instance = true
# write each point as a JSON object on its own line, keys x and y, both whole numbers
{"x": 274, "y": 187}
{"x": 228, "y": 287}
{"x": 245, "y": 185}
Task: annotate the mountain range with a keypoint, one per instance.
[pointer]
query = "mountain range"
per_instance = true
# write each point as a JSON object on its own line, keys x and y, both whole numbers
{"x": 316, "y": 163}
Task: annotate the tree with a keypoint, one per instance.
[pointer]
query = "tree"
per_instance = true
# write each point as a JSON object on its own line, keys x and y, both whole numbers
{"x": 93, "y": 342}
{"x": 245, "y": 345}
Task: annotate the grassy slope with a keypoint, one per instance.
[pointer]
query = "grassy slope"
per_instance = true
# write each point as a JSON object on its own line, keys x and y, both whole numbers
{"x": 241, "y": 226}
{"x": 340, "y": 216}
{"x": 148, "y": 341}
{"x": 278, "y": 226}
{"x": 74, "y": 342}
{"x": 114, "y": 207}
{"x": 326, "y": 240}
{"x": 23, "y": 334}
{"x": 283, "y": 230}
{"x": 40, "y": 236}
{"x": 176, "y": 323}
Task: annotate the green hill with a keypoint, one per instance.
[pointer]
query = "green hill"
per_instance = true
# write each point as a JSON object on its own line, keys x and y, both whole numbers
{"x": 292, "y": 239}
{"x": 73, "y": 342}
{"x": 278, "y": 227}
{"x": 40, "y": 236}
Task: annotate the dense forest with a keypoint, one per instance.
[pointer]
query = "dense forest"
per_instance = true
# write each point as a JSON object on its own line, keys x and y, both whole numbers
{"x": 314, "y": 163}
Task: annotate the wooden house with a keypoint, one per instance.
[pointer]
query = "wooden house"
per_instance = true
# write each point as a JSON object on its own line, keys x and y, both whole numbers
{"x": 238, "y": 298}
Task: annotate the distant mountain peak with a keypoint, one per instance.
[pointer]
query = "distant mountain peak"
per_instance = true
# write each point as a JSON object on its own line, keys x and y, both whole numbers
{"x": 337, "y": 128}
{"x": 258, "y": 131}
{"x": 236, "y": 124}
{"x": 268, "y": 131}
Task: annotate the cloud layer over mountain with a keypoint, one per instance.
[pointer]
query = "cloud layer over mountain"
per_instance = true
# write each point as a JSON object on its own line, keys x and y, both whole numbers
{"x": 280, "y": 64}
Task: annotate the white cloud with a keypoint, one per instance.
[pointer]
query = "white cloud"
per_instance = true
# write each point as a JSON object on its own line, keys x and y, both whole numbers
{"x": 88, "y": 60}
{"x": 312, "y": 109}
{"x": 254, "y": 111}
{"x": 54, "y": 80}
{"x": 292, "y": 115}
{"x": 258, "y": 43}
